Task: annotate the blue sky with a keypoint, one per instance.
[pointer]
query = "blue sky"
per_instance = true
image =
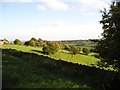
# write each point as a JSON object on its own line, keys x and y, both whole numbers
{"x": 51, "y": 19}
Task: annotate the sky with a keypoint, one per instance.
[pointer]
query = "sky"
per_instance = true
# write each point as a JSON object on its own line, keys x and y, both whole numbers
{"x": 51, "y": 19}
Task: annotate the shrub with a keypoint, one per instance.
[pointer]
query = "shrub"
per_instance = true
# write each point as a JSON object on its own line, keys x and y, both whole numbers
{"x": 50, "y": 48}
{"x": 18, "y": 42}
{"x": 86, "y": 51}
{"x": 32, "y": 43}
{"x": 97, "y": 56}
{"x": 66, "y": 47}
{"x": 47, "y": 50}
{"x": 93, "y": 50}
{"x": 74, "y": 50}
{"x": 26, "y": 43}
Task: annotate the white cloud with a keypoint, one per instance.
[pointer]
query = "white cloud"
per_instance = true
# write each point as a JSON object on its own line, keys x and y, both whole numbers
{"x": 90, "y": 7}
{"x": 52, "y": 4}
{"x": 55, "y": 5}
{"x": 41, "y": 7}
{"x": 94, "y": 4}
{"x": 84, "y": 5}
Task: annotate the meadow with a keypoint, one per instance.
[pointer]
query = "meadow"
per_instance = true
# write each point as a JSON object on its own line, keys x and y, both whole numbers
{"x": 28, "y": 67}
{"x": 61, "y": 54}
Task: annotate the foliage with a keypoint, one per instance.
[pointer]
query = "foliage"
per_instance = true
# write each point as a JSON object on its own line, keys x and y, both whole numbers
{"x": 34, "y": 39}
{"x": 32, "y": 43}
{"x": 78, "y": 42}
{"x": 86, "y": 51}
{"x": 40, "y": 43}
{"x": 66, "y": 47}
{"x": 51, "y": 48}
{"x": 18, "y": 42}
{"x": 47, "y": 50}
{"x": 109, "y": 45}
{"x": 5, "y": 41}
{"x": 26, "y": 43}
{"x": 93, "y": 50}
{"x": 74, "y": 50}
{"x": 61, "y": 54}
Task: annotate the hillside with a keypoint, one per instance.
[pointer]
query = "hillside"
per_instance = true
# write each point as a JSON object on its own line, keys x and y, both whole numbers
{"x": 80, "y": 42}
{"x": 23, "y": 68}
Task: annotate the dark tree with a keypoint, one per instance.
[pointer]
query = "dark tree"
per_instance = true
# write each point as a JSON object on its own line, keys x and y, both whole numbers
{"x": 34, "y": 39}
{"x": 26, "y": 43}
{"x": 109, "y": 46}
{"x": 86, "y": 51}
{"x": 18, "y": 42}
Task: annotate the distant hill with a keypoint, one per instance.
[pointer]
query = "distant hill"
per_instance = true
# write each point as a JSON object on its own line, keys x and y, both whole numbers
{"x": 80, "y": 42}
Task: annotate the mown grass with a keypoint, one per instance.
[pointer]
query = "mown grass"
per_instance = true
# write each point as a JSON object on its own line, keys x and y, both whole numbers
{"x": 78, "y": 58}
{"x": 61, "y": 54}
{"x": 88, "y": 60}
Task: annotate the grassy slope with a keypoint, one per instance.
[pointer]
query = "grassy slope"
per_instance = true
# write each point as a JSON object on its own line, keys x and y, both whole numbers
{"x": 18, "y": 73}
{"x": 78, "y": 58}
{"x": 27, "y": 67}
{"x": 64, "y": 55}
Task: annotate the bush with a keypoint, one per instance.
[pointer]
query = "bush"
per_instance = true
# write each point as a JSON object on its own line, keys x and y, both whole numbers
{"x": 50, "y": 48}
{"x": 47, "y": 50}
{"x": 18, "y": 42}
{"x": 93, "y": 50}
{"x": 97, "y": 56}
{"x": 32, "y": 43}
{"x": 66, "y": 47}
{"x": 26, "y": 43}
{"x": 74, "y": 50}
{"x": 86, "y": 51}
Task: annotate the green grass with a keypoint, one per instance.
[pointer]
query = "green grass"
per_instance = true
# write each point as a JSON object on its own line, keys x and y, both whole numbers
{"x": 22, "y": 48}
{"x": 78, "y": 58}
{"x": 61, "y": 54}
{"x": 27, "y": 67}
{"x": 18, "y": 73}
{"x": 88, "y": 60}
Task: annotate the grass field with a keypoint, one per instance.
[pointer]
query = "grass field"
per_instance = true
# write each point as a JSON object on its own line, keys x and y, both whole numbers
{"x": 27, "y": 67}
{"x": 61, "y": 54}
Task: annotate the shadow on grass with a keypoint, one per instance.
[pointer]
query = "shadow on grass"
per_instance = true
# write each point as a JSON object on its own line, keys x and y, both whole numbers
{"x": 37, "y": 51}
{"x": 90, "y": 76}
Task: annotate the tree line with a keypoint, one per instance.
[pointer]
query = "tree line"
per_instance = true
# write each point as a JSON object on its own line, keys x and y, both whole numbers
{"x": 51, "y": 47}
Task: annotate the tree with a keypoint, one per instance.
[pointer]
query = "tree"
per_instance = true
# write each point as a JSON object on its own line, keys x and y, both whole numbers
{"x": 18, "y": 42}
{"x": 109, "y": 46}
{"x": 40, "y": 43}
{"x": 86, "y": 51}
{"x": 5, "y": 41}
{"x": 66, "y": 46}
{"x": 34, "y": 39}
{"x": 74, "y": 50}
{"x": 50, "y": 48}
{"x": 26, "y": 43}
{"x": 47, "y": 50}
{"x": 32, "y": 43}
